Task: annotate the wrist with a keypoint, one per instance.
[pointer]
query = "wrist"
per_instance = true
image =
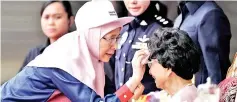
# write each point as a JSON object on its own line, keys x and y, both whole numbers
{"x": 132, "y": 83}
{"x": 135, "y": 78}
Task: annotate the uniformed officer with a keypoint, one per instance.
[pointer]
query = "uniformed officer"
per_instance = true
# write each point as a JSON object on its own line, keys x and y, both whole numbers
{"x": 134, "y": 35}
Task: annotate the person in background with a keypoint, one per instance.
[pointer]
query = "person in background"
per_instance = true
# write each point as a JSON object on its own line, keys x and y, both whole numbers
{"x": 56, "y": 20}
{"x": 208, "y": 26}
{"x": 228, "y": 87}
{"x": 73, "y": 65}
{"x": 174, "y": 58}
{"x": 149, "y": 15}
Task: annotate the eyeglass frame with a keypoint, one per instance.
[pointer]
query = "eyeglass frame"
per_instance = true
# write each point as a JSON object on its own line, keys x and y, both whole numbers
{"x": 112, "y": 40}
{"x": 149, "y": 63}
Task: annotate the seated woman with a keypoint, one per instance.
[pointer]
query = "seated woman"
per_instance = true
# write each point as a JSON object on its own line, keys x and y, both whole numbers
{"x": 73, "y": 65}
{"x": 174, "y": 59}
{"x": 228, "y": 87}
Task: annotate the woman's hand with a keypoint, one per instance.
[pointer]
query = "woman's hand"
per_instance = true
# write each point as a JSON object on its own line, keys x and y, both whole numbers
{"x": 139, "y": 60}
{"x": 138, "y": 63}
{"x": 138, "y": 91}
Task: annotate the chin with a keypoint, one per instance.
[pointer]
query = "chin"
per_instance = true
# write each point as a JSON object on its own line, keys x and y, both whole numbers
{"x": 135, "y": 13}
{"x": 158, "y": 85}
{"x": 105, "y": 59}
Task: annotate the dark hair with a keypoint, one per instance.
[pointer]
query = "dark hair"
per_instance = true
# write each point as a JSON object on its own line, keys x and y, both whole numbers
{"x": 66, "y": 5}
{"x": 174, "y": 49}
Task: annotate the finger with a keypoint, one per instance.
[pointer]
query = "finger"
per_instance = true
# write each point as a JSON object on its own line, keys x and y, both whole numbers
{"x": 138, "y": 53}
{"x": 145, "y": 59}
{"x": 138, "y": 92}
{"x": 143, "y": 69}
{"x": 141, "y": 87}
{"x": 139, "y": 59}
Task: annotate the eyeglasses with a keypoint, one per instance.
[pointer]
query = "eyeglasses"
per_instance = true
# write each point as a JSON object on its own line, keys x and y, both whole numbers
{"x": 149, "y": 63}
{"x": 112, "y": 40}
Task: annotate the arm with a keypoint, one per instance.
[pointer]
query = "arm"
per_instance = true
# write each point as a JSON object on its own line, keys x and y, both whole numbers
{"x": 214, "y": 39}
{"x": 76, "y": 91}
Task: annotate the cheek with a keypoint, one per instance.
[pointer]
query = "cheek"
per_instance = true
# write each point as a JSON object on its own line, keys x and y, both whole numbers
{"x": 103, "y": 47}
{"x": 43, "y": 24}
{"x": 144, "y": 5}
{"x": 62, "y": 25}
{"x": 102, "y": 52}
{"x": 160, "y": 77}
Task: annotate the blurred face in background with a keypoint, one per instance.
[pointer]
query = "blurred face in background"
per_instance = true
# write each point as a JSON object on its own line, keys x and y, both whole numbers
{"x": 55, "y": 21}
{"x": 108, "y": 44}
{"x": 136, "y": 7}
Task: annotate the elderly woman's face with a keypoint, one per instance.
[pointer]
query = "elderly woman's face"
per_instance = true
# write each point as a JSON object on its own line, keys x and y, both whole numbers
{"x": 159, "y": 73}
{"x": 136, "y": 7}
{"x": 108, "y": 45}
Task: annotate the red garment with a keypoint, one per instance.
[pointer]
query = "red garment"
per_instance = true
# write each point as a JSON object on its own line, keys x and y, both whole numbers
{"x": 57, "y": 96}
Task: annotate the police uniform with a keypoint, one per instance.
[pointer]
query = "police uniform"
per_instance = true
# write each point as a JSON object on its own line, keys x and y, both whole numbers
{"x": 138, "y": 31}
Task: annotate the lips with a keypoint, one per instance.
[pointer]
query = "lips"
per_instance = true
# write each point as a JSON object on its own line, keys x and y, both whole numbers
{"x": 134, "y": 8}
{"x": 110, "y": 54}
{"x": 51, "y": 30}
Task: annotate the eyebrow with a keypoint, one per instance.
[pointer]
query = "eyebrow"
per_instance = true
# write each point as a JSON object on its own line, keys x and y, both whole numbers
{"x": 54, "y": 14}
{"x": 112, "y": 36}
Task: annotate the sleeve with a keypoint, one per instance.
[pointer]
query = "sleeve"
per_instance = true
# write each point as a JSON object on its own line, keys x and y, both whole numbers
{"x": 76, "y": 91}
{"x": 214, "y": 39}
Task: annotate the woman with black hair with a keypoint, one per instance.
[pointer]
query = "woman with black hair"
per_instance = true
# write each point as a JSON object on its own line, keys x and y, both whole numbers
{"x": 174, "y": 59}
{"x": 56, "y": 20}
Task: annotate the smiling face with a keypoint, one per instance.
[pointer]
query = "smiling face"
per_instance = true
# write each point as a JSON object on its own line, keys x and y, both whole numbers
{"x": 159, "y": 73}
{"x": 54, "y": 21}
{"x": 108, "y": 44}
{"x": 136, "y": 7}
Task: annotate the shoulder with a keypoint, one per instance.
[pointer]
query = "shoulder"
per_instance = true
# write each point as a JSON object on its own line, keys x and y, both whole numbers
{"x": 125, "y": 28}
{"x": 188, "y": 94}
{"x": 36, "y": 50}
{"x": 210, "y": 7}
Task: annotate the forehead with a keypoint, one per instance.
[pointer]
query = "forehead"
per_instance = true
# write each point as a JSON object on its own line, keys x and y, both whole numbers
{"x": 54, "y": 8}
{"x": 114, "y": 32}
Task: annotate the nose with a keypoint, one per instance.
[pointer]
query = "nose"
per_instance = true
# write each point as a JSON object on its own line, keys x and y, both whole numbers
{"x": 150, "y": 71}
{"x": 134, "y": 1}
{"x": 114, "y": 46}
{"x": 51, "y": 21}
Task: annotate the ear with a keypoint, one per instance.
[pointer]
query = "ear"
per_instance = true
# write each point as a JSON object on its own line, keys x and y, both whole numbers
{"x": 71, "y": 21}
